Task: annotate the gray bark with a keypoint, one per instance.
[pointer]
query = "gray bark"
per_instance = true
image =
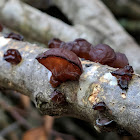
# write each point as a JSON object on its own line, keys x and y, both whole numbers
{"x": 95, "y": 84}
{"x": 36, "y": 24}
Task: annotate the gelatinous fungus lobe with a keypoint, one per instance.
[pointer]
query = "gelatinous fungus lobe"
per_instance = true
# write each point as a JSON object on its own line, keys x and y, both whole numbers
{"x": 120, "y": 61}
{"x": 84, "y": 49}
{"x": 103, "y": 54}
{"x": 123, "y": 75}
{"x": 54, "y": 43}
{"x": 14, "y": 36}
{"x": 63, "y": 64}
{"x": 80, "y": 47}
{"x": 12, "y": 56}
{"x": 1, "y": 27}
{"x": 58, "y": 98}
{"x": 101, "y": 106}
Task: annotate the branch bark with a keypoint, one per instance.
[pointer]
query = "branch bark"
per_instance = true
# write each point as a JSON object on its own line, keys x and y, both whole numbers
{"x": 96, "y": 84}
{"x": 35, "y": 24}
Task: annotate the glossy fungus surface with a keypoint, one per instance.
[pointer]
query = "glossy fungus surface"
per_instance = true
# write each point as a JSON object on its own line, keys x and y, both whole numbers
{"x": 84, "y": 49}
{"x": 12, "y": 56}
{"x": 58, "y": 98}
{"x": 103, "y": 54}
{"x": 99, "y": 106}
{"x": 54, "y": 43}
{"x": 64, "y": 65}
{"x": 14, "y": 36}
{"x": 1, "y": 27}
{"x": 123, "y": 75}
{"x": 79, "y": 46}
{"x": 120, "y": 61}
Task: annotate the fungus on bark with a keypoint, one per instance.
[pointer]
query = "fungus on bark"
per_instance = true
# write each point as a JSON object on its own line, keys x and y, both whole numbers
{"x": 54, "y": 43}
{"x": 58, "y": 98}
{"x": 14, "y": 36}
{"x": 80, "y": 47}
{"x": 64, "y": 65}
{"x": 99, "y": 106}
{"x": 120, "y": 61}
{"x": 123, "y": 75}
{"x": 84, "y": 48}
{"x": 12, "y": 56}
{"x": 103, "y": 54}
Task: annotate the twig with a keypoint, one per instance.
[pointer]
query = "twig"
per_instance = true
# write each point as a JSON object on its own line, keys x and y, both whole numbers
{"x": 62, "y": 136}
{"x": 48, "y": 124}
{"x": 15, "y": 115}
{"x": 34, "y": 23}
{"x": 8, "y": 129}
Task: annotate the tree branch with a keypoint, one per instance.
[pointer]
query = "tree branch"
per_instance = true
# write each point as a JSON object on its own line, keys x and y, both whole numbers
{"x": 36, "y": 24}
{"x": 96, "y": 84}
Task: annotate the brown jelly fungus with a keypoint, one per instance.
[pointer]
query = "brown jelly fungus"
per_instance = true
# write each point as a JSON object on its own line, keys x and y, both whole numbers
{"x": 12, "y": 56}
{"x": 99, "y": 106}
{"x": 120, "y": 61}
{"x": 84, "y": 49}
{"x": 103, "y": 54}
{"x": 79, "y": 46}
{"x": 123, "y": 75}
{"x": 54, "y": 43}
{"x": 64, "y": 65}
{"x": 58, "y": 97}
{"x": 14, "y": 36}
{"x": 1, "y": 27}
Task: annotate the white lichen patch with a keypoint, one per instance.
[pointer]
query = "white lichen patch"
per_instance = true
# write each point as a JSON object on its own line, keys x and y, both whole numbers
{"x": 90, "y": 72}
{"x": 4, "y": 41}
{"x": 87, "y": 78}
{"x": 109, "y": 78}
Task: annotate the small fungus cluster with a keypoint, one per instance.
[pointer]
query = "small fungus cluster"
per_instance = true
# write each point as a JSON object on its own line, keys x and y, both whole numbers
{"x": 124, "y": 75}
{"x": 12, "y": 56}
{"x": 64, "y": 65}
{"x": 99, "y": 106}
{"x": 14, "y": 36}
{"x": 101, "y": 53}
{"x": 102, "y": 120}
{"x": 58, "y": 98}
